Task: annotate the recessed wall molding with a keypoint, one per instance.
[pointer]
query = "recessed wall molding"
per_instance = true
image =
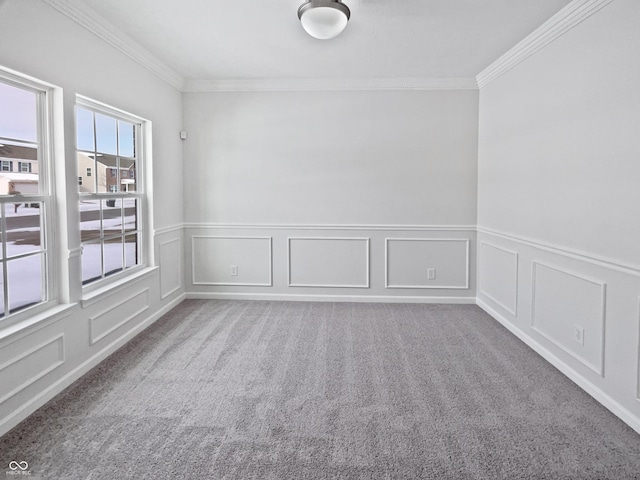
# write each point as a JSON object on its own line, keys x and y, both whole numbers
{"x": 53, "y": 346}
{"x": 325, "y": 263}
{"x": 89, "y": 19}
{"x": 204, "y": 273}
{"x": 381, "y": 227}
{"x": 601, "y": 261}
{"x": 563, "y": 21}
{"x": 95, "y": 336}
{"x": 600, "y": 315}
{"x": 328, "y": 84}
{"x": 168, "y": 259}
{"x": 514, "y": 309}
{"x": 463, "y": 285}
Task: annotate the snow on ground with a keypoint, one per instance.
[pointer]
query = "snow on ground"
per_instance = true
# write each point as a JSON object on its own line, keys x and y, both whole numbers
{"x": 25, "y": 274}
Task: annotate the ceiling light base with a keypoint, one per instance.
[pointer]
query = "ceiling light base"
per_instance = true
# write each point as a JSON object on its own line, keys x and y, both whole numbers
{"x": 324, "y": 19}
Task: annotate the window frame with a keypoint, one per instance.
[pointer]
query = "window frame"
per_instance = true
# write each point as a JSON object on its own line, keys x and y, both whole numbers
{"x": 141, "y": 195}
{"x": 48, "y": 251}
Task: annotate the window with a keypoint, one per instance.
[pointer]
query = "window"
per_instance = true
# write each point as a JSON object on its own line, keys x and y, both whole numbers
{"x": 79, "y": 180}
{"x": 25, "y": 201}
{"x": 111, "y": 205}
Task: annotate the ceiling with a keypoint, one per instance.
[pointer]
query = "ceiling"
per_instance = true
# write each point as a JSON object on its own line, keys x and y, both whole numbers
{"x": 216, "y": 39}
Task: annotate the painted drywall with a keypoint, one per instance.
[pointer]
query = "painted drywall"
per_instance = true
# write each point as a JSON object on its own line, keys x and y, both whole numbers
{"x": 559, "y": 169}
{"x": 327, "y": 177}
{"x": 46, "y": 352}
{"x": 401, "y": 158}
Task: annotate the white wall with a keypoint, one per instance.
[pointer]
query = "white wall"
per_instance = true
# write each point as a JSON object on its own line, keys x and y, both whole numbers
{"x": 558, "y": 203}
{"x": 40, "y": 356}
{"x": 354, "y": 168}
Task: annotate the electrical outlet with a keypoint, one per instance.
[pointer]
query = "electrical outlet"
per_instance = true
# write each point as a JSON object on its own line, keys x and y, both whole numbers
{"x": 234, "y": 270}
{"x": 431, "y": 273}
{"x": 578, "y": 334}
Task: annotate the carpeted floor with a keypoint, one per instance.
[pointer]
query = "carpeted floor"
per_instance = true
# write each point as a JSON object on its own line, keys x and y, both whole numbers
{"x": 267, "y": 390}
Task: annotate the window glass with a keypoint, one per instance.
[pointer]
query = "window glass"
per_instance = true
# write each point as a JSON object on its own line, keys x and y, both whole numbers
{"x": 18, "y": 115}
{"x": 112, "y": 254}
{"x": 25, "y": 200}
{"x": 84, "y": 123}
{"x": 90, "y": 220}
{"x": 25, "y": 282}
{"x": 131, "y": 250}
{"x": 91, "y": 260}
{"x": 106, "y": 139}
{"x": 126, "y": 139}
{"x": 23, "y": 227}
{"x": 111, "y": 197}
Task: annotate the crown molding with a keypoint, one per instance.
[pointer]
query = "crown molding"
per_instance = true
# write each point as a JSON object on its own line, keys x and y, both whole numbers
{"x": 563, "y": 21}
{"x": 109, "y": 33}
{"x": 327, "y": 84}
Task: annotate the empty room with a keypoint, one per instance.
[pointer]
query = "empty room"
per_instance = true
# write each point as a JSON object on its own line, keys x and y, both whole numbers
{"x": 320, "y": 239}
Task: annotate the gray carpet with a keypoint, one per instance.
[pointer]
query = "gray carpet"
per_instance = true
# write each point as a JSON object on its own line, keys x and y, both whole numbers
{"x": 268, "y": 390}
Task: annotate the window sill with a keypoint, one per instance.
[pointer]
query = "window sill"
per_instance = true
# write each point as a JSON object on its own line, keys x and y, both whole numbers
{"x": 93, "y": 296}
{"x": 37, "y": 321}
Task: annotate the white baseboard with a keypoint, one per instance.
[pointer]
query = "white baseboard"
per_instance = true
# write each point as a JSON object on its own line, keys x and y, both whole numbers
{"x": 15, "y": 417}
{"x": 288, "y": 297}
{"x": 618, "y": 410}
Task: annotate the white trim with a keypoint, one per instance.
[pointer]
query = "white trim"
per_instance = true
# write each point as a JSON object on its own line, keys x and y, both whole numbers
{"x": 231, "y": 284}
{"x": 438, "y": 287}
{"x": 312, "y": 297}
{"x": 95, "y": 339}
{"x": 170, "y": 229}
{"x": 513, "y": 312}
{"x": 106, "y": 31}
{"x": 367, "y": 260}
{"x": 601, "y": 261}
{"x": 638, "y": 353}
{"x": 381, "y": 227}
{"x": 597, "y": 393}
{"x": 37, "y": 401}
{"x": 116, "y": 287}
{"x": 603, "y": 296}
{"x": 327, "y": 84}
{"x": 58, "y": 338}
{"x": 563, "y": 21}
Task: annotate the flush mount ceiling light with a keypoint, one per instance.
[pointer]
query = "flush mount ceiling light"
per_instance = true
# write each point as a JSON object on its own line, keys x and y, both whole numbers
{"x": 324, "y": 19}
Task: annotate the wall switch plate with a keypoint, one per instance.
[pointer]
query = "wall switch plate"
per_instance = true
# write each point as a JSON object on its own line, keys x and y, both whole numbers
{"x": 234, "y": 270}
{"x": 431, "y": 273}
{"x": 578, "y": 334}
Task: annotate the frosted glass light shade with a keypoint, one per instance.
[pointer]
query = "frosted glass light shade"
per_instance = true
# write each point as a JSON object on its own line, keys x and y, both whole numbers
{"x": 324, "y": 19}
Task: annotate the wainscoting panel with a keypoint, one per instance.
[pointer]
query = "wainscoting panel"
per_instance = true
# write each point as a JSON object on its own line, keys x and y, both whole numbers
{"x": 498, "y": 280}
{"x": 229, "y": 260}
{"x": 408, "y": 261}
{"x": 170, "y": 267}
{"x": 117, "y": 314}
{"x": 569, "y": 310}
{"x": 328, "y": 262}
{"x": 27, "y": 364}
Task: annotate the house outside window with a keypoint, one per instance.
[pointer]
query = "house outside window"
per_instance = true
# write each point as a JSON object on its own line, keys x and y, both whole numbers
{"x": 111, "y": 216}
